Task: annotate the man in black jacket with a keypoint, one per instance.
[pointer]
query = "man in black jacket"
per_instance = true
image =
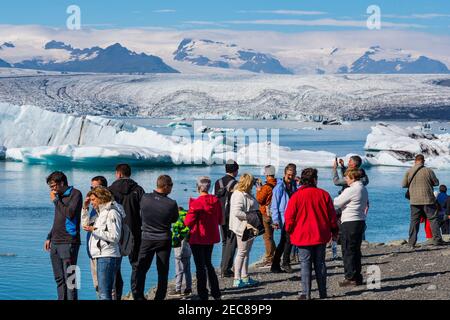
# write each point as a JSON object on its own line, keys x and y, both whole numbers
{"x": 223, "y": 189}
{"x": 129, "y": 194}
{"x": 63, "y": 241}
{"x": 158, "y": 213}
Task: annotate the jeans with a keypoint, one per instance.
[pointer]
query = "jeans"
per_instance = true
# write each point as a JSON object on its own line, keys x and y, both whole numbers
{"x": 106, "y": 276}
{"x": 62, "y": 257}
{"x": 284, "y": 248}
{"x": 430, "y": 212}
{"x": 352, "y": 233}
{"x": 148, "y": 249}
{"x": 205, "y": 271}
{"x": 229, "y": 245}
{"x": 309, "y": 256}
{"x": 242, "y": 258}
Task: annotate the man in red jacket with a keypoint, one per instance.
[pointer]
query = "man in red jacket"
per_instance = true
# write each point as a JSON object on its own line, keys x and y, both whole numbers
{"x": 311, "y": 221}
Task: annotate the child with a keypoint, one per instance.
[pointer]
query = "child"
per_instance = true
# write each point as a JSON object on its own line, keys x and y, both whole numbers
{"x": 183, "y": 254}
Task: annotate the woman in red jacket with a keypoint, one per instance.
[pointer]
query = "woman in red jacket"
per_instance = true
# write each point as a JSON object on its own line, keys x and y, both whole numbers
{"x": 311, "y": 221}
{"x": 204, "y": 219}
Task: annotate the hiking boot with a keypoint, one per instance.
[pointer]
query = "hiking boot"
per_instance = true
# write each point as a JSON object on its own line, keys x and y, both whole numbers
{"x": 187, "y": 293}
{"x": 276, "y": 269}
{"x": 348, "y": 283}
{"x": 175, "y": 294}
{"x": 287, "y": 268}
{"x": 263, "y": 264}
{"x": 227, "y": 274}
{"x": 249, "y": 282}
{"x": 238, "y": 283}
{"x": 439, "y": 243}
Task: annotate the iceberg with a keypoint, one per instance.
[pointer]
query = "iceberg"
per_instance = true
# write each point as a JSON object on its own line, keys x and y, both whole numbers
{"x": 36, "y": 136}
{"x": 391, "y": 145}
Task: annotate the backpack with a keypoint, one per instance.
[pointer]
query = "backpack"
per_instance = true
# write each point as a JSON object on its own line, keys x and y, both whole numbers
{"x": 126, "y": 243}
{"x": 224, "y": 195}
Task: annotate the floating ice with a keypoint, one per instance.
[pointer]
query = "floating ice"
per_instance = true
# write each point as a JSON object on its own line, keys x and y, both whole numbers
{"x": 35, "y": 136}
{"x": 394, "y": 146}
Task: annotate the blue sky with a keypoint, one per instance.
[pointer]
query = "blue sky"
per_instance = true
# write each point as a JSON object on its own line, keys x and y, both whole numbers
{"x": 280, "y": 15}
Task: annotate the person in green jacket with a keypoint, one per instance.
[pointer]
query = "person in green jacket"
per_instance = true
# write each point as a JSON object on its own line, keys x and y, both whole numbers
{"x": 180, "y": 235}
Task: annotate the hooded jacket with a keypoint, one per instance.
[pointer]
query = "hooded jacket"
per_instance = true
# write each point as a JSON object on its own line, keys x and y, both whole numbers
{"x": 104, "y": 241}
{"x": 280, "y": 199}
{"x": 66, "y": 223}
{"x": 204, "y": 218}
{"x": 128, "y": 194}
{"x": 311, "y": 217}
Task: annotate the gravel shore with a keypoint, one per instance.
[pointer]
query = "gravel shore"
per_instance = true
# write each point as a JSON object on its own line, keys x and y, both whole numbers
{"x": 421, "y": 273}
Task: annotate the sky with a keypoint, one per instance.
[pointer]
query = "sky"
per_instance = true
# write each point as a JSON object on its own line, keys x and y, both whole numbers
{"x": 289, "y": 16}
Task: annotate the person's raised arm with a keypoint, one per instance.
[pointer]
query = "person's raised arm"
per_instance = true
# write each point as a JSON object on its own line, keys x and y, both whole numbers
{"x": 343, "y": 199}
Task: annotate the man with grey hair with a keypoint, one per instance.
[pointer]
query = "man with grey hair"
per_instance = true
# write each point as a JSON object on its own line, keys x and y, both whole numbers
{"x": 264, "y": 198}
{"x": 354, "y": 162}
{"x": 203, "y": 184}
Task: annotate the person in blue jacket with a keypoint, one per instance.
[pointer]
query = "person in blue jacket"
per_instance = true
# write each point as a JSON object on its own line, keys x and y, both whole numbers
{"x": 282, "y": 192}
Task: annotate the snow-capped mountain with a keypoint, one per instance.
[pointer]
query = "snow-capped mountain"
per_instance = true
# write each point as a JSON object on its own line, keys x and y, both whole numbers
{"x": 7, "y": 45}
{"x": 4, "y": 64}
{"x": 228, "y": 56}
{"x": 389, "y": 61}
{"x": 59, "y": 56}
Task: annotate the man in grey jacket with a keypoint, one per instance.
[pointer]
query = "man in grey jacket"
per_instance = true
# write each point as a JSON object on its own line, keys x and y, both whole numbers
{"x": 420, "y": 182}
{"x": 354, "y": 162}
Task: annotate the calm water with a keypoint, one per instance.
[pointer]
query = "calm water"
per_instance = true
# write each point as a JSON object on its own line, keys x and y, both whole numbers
{"x": 26, "y": 212}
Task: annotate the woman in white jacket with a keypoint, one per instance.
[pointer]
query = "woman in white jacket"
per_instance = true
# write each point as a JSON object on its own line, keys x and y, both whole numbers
{"x": 353, "y": 202}
{"x": 104, "y": 241}
{"x": 242, "y": 201}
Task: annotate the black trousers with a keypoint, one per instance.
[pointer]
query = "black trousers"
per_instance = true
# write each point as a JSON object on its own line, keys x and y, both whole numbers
{"x": 229, "y": 245}
{"x": 62, "y": 257}
{"x": 148, "y": 249}
{"x": 133, "y": 258}
{"x": 352, "y": 234}
{"x": 205, "y": 271}
{"x": 284, "y": 249}
{"x": 429, "y": 212}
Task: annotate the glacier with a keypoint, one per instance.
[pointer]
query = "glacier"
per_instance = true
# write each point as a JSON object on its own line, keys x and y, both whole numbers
{"x": 251, "y": 96}
{"x": 35, "y": 136}
{"x": 391, "y": 145}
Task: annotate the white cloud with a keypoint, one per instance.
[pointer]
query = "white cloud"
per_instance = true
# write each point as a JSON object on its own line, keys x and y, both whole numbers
{"x": 164, "y": 11}
{"x": 286, "y": 12}
{"x": 322, "y": 22}
{"x": 417, "y": 16}
{"x": 204, "y": 23}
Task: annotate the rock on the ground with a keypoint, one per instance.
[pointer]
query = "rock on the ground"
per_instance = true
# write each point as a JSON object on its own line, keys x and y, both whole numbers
{"x": 397, "y": 243}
